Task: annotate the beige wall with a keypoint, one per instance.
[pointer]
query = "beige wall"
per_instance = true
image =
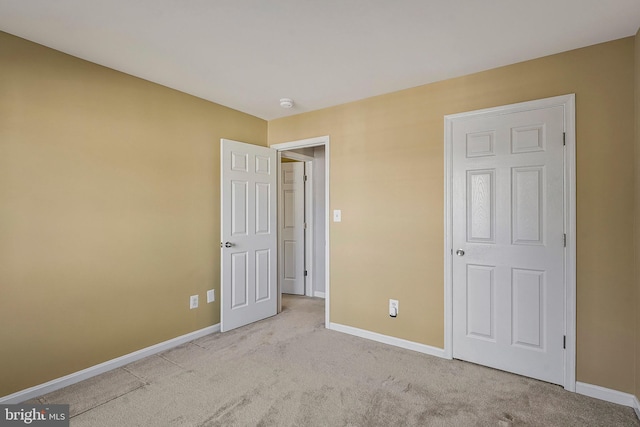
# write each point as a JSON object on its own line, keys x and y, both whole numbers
{"x": 109, "y": 212}
{"x": 387, "y": 177}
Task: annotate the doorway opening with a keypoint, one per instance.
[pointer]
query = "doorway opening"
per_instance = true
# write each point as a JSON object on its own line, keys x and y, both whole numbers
{"x": 312, "y": 254}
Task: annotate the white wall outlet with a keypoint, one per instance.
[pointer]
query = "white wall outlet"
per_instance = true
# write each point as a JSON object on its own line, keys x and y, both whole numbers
{"x": 211, "y": 295}
{"x": 393, "y": 307}
{"x": 337, "y": 215}
{"x": 193, "y": 301}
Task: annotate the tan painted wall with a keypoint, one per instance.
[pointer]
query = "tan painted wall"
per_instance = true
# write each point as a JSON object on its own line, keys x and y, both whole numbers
{"x": 109, "y": 212}
{"x": 387, "y": 177}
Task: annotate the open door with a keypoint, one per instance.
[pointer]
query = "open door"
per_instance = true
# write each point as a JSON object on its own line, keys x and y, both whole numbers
{"x": 248, "y": 234}
{"x": 292, "y": 229}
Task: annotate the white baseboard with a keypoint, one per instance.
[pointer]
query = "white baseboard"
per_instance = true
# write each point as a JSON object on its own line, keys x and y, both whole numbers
{"x": 386, "y": 339}
{"x": 92, "y": 371}
{"x": 608, "y": 395}
{"x": 318, "y": 294}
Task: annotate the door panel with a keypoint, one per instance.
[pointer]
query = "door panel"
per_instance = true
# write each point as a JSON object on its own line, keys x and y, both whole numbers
{"x": 248, "y": 226}
{"x": 263, "y": 208}
{"x": 481, "y": 203}
{"x": 508, "y": 219}
{"x": 528, "y": 303}
{"x": 263, "y": 273}
{"x": 239, "y": 206}
{"x": 239, "y": 280}
{"x": 481, "y": 301}
{"x": 527, "y": 201}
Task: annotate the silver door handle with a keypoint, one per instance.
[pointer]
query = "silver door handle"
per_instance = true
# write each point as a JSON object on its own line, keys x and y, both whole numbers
{"x": 460, "y": 252}
{"x": 226, "y": 244}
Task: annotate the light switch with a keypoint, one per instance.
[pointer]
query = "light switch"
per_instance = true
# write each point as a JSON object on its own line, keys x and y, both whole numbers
{"x": 337, "y": 215}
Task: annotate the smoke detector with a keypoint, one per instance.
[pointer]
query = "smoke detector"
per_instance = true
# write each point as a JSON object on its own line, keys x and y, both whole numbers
{"x": 286, "y": 102}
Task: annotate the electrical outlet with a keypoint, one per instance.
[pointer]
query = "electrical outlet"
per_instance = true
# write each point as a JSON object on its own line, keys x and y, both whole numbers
{"x": 193, "y": 301}
{"x": 211, "y": 295}
{"x": 393, "y": 307}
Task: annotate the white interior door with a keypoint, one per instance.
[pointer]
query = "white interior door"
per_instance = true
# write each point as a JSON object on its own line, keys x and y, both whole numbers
{"x": 508, "y": 241}
{"x": 248, "y": 233}
{"x": 292, "y": 229}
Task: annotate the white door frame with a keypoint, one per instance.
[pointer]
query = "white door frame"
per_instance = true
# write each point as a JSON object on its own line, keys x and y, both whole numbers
{"x": 568, "y": 102}
{"x": 315, "y": 142}
{"x": 309, "y": 231}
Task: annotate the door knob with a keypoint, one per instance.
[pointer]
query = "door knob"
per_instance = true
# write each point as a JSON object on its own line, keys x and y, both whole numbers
{"x": 226, "y": 244}
{"x": 460, "y": 252}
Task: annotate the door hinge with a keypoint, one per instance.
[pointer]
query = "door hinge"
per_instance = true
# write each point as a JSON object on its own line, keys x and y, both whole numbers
{"x": 306, "y": 177}
{"x": 305, "y": 273}
{"x": 305, "y": 225}
{"x": 564, "y": 342}
{"x": 564, "y": 240}
{"x": 564, "y": 138}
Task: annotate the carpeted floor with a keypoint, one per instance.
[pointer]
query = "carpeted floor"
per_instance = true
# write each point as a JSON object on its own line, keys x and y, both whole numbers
{"x": 290, "y": 371}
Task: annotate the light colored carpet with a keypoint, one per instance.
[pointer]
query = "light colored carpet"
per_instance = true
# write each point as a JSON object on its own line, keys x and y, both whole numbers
{"x": 290, "y": 371}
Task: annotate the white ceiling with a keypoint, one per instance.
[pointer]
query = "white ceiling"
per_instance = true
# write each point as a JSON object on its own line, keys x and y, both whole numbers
{"x": 247, "y": 54}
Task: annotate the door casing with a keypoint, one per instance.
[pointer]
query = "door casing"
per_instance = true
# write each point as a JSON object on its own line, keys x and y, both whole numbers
{"x": 568, "y": 102}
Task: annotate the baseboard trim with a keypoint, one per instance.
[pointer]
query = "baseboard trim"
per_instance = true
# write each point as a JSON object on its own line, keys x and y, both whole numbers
{"x": 609, "y": 395}
{"x": 318, "y": 294}
{"x": 386, "y": 339}
{"x": 92, "y": 371}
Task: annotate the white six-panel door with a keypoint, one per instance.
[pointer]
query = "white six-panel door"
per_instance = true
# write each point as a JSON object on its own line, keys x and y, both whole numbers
{"x": 508, "y": 241}
{"x": 248, "y": 234}
{"x": 292, "y": 243}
